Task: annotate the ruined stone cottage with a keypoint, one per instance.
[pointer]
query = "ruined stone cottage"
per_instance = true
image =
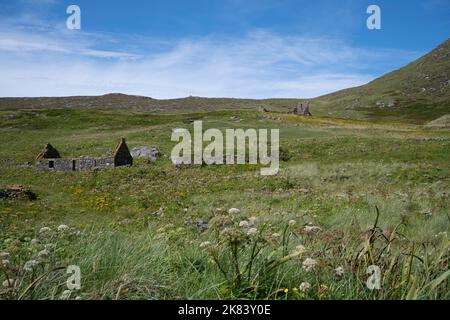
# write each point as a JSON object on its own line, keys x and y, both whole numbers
{"x": 50, "y": 160}
{"x": 302, "y": 109}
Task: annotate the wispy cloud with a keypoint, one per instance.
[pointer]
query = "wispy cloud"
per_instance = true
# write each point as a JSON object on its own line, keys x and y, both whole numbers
{"x": 56, "y": 62}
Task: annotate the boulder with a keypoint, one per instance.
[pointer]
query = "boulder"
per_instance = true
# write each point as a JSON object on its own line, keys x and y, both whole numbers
{"x": 151, "y": 153}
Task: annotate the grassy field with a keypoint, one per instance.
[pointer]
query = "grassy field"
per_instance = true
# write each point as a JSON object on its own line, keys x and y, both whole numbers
{"x": 350, "y": 194}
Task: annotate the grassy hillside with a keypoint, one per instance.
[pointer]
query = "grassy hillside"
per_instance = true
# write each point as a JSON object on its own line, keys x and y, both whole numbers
{"x": 419, "y": 92}
{"x": 132, "y": 230}
{"x": 139, "y": 103}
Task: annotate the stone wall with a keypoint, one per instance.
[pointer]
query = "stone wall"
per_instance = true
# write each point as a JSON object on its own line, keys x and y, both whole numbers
{"x": 74, "y": 164}
{"x": 54, "y": 165}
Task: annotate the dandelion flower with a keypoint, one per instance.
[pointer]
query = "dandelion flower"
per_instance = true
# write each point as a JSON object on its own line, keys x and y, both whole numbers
{"x": 305, "y": 287}
{"x": 244, "y": 224}
{"x": 63, "y": 228}
{"x": 339, "y": 271}
{"x": 292, "y": 223}
{"x": 309, "y": 264}
{"x": 252, "y": 232}
{"x": 286, "y": 291}
{"x": 30, "y": 265}
{"x": 234, "y": 211}
{"x": 45, "y": 230}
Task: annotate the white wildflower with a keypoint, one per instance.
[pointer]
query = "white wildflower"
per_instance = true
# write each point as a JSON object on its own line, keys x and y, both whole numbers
{"x": 309, "y": 264}
{"x": 304, "y": 287}
{"x": 34, "y": 241}
{"x": 244, "y": 224}
{"x": 30, "y": 265}
{"x": 276, "y": 235}
{"x": 5, "y": 263}
{"x": 339, "y": 271}
{"x": 300, "y": 249}
{"x": 45, "y": 230}
{"x": 292, "y": 222}
{"x": 43, "y": 253}
{"x": 252, "y": 231}
{"x": 66, "y": 295}
{"x": 205, "y": 244}
{"x": 63, "y": 228}
{"x": 311, "y": 229}
{"x": 234, "y": 211}
{"x": 4, "y": 255}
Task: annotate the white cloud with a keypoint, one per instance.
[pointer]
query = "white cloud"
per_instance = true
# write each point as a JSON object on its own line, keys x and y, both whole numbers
{"x": 259, "y": 65}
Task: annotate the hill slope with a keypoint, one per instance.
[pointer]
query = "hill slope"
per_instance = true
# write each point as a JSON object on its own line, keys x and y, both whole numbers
{"x": 140, "y": 103}
{"x": 419, "y": 92}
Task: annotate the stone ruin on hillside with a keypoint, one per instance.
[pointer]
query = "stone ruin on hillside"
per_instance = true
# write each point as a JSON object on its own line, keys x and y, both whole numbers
{"x": 50, "y": 160}
{"x": 302, "y": 109}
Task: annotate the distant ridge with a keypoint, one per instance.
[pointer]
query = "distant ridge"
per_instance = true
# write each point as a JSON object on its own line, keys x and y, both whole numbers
{"x": 141, "y": 103}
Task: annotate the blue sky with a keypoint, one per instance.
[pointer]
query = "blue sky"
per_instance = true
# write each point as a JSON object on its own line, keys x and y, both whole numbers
{"x": 213, "y": 48}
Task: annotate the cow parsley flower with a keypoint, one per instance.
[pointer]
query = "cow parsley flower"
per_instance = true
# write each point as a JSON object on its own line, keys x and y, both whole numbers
{"x": 4, "y": 255}
{"x": 244, "y": 224}
{"x": 63, "y": 228}
{"x": 292, "y": 223}
{"x": 44, "y": 253}
{"x": 276, "y": 235}
{"x": 30, "y": 265}
{"x": 45, "y": 230}
{"x": 5, "y": 263}
{"x": 305, "y": 287}
{"x": 234, "y": 211}
{"x": 252, "y": 231}
{"x": 339, "y": 271}
{"x": 309, "y": 264}
{"x": 205, "y": 244}
{"x": 311, "y": 229}
{"x": 300, "y": 249}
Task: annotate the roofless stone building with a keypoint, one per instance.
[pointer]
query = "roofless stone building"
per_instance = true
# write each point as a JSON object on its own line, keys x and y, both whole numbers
{"x": 50, "y": 160}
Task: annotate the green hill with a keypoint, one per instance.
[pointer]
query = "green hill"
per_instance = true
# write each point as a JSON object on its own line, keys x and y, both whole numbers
{"x": 419, "y": 92}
